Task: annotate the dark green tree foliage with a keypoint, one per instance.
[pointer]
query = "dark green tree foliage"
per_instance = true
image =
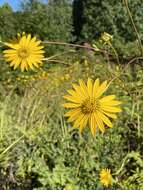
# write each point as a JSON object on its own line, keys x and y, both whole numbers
{"x": 78, "y": 19}
{"x": 7, "y": 22}
{"x": 93, "y": 17}
{"x": 51, "y": 21}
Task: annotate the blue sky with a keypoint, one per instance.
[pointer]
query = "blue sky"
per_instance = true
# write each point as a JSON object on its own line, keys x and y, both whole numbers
{"x": 15, "y": 4}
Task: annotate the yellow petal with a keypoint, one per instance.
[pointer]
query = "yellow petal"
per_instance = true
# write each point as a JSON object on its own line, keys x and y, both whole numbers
{"x": 37, "y": 43}
{"x": 71, "y": 105}
{"x": 73, "y": 99}
{"x": 33, "y": 39}
{"x": 35, "y": 63}
{"x": 112, "y": 103}
{"x": 37, "y": 47}
{"x": 93, "y": 124}
{"x": 11, "y": 58}
{"x": 13, "y": 46}
{"x": 75, "y": 94}
{"x": 74, "y": 115}
{"x": 104, "y": 119}
{"x": 12, "y": 63}
{"x": 83, "y": 88}
{"x": 22, "y": 41}
{"x": 83, "y": 122}
{"x": 71, "y": 92}
{"x": 101, "y": 89}
{"x": 24, "y": 65}
{"x": 89, "y": 87}
{"x": 109, "y": 114}
{"x": 77, "y": 122}
{"x": 95, "y": 87}
{"x": 111, "y": 109}
{"x": 78, "y": 90}
{"x": 30, "y": 64}
{"x": 73, "y": 111}
{"x": 10, "y": 51}
{"x": 17, "y": 63}
{"x": 99, "y": 122}
{"x": 28, "y": 39}
{"x": 37, "y": 52}
{"x": 107, "y": 98}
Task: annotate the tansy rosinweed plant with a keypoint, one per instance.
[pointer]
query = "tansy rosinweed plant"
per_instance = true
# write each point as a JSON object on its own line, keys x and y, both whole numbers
{"x": 89, "y": 108}
{"x": 26, "y": 52}
{"x": 46, "y": 152}
{"x": 106, "y": 177}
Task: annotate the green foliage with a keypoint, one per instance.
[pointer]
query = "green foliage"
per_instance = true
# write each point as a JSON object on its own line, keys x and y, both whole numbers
{"x": 39, "y": 150}
{"x": 7, "y": 28}
{"x": 54, "y": 19}
{"x": 50, "y": 154}
{"x": 51, "y": 21}
{"x": 94, "y": 17}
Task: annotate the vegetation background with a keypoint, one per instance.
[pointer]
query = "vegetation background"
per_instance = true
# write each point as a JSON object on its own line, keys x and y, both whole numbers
{"x": 39, "y": 150}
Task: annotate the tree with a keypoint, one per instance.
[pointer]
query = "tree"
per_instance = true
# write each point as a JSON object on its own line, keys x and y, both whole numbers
{"x": 7, "y": 22}
{"x": 78, "y": 20}
{"x": 50, "y": 21}
{"x": 95, "y": 16}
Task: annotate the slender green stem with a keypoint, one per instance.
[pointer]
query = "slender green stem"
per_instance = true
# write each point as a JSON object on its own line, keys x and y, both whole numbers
{"x": 122, "y": 166}
{"x": 2, "y": 42}
{"x": 58, "y": 54}
{"x": 134, "y": 26}
{"x": 81, "y": 159}
{"x": 138, "y": 127}
{"x": 115, "y": 52}
{"x": 125, "y": 68}
{"x": 2, "y": 118}
{"x": 57, "y": 61}
{"x": 126, "y": 159}
{"x": 120, "y": 185}
{"x": 10, "y": 146}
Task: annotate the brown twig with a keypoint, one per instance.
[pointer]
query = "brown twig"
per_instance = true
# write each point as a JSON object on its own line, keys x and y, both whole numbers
{"x": 76, "y": 46}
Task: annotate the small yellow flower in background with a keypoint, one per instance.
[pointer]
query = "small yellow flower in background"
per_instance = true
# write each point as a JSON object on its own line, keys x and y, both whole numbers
{"x": 85, "y": 62}
{"x": 25, "y": 53}
{"x": 69, "y": 187}
{"x": 106, "y": 177}
{"x": 19, "y": 35}
{"x": 106, "y": 38}
{"x": 88, "y": 108}
{"x": 95, "y": 47}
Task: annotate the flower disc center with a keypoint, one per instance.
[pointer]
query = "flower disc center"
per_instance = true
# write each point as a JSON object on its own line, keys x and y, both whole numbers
{"x": 23, "y": 53}
{"x": 89, "y": 105}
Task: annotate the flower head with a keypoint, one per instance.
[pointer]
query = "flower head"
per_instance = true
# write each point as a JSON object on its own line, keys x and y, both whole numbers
{"x": 88, "y": 108}
{"x": 106, "y": 177}
{"x": 25, "y": 53}
{"x": 106, "y": 38}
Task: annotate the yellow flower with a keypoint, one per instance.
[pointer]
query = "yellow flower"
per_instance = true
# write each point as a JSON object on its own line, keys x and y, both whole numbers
{"x": 106, "y": 38}
{"x": 106, "y": 177}
{"x": 87, "y": 106}
{"x": 25, "y": 53}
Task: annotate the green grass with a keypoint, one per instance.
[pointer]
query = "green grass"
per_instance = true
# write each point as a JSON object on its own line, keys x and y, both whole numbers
{"x": 39, "y": 150}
